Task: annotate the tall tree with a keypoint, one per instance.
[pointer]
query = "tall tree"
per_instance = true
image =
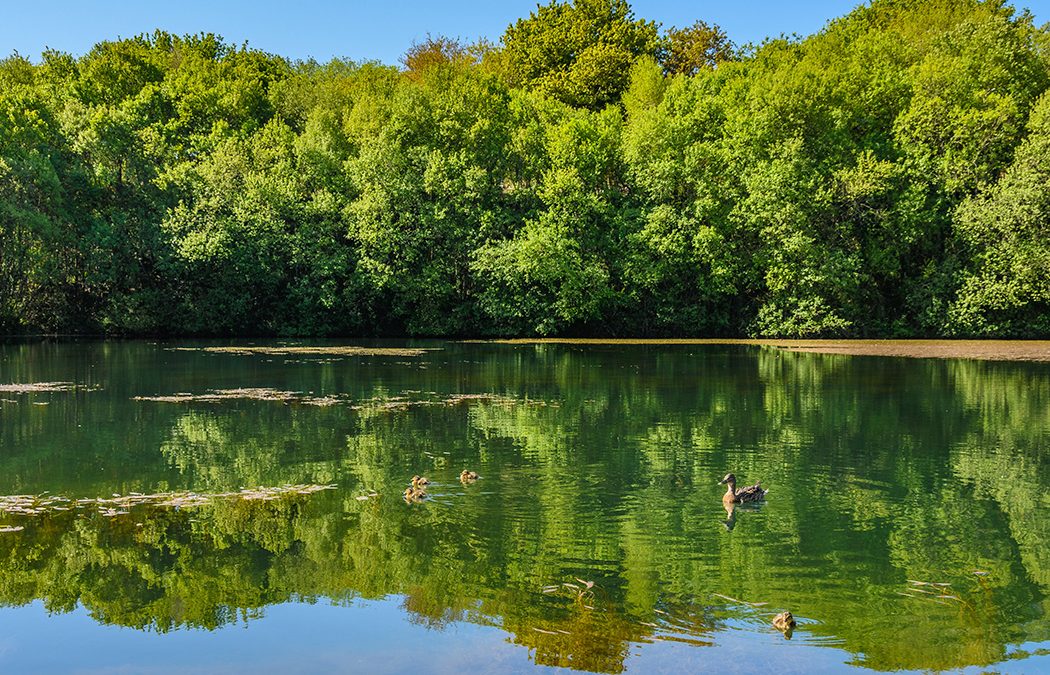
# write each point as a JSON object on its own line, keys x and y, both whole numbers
{"x": 578, "y": 52}
{"x": 1005, "y": 290}
{"x": 689, "y": 50}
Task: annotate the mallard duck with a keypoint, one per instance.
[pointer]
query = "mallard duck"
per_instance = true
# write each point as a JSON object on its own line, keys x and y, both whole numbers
{"x": 415, "y": 494}
{"x": 420, "y": 481}
{"x": 784, "y": 622}
{"x": 751, "y": 493}
{"x": 468, "y": 476}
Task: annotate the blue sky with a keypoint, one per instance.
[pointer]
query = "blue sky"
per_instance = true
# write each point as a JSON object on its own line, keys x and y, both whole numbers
{"x": 369, "y": 30}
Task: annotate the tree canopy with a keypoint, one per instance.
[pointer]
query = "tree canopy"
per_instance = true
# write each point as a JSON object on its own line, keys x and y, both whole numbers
{"x": 588, "y": 174}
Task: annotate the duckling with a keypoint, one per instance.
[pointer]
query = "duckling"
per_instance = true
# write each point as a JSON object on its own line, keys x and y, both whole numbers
{"x": 468, "y": 476}
{"x": 420, "y": 481}
{"x": 784, "y": 622}
{"x": 751, "y": 493}
{"x": 415, "y": 494}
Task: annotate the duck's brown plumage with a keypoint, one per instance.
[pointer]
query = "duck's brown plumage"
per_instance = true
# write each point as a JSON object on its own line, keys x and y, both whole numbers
{"x": 751, "y": 493}
{"x": 784, "y": 622}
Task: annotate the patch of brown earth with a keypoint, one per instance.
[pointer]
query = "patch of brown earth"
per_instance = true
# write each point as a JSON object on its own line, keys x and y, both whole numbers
{"x": 985, "y": 350}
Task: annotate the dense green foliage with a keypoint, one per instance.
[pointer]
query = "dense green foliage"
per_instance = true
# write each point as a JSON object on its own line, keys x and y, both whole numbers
{"x": 588, "y": 174}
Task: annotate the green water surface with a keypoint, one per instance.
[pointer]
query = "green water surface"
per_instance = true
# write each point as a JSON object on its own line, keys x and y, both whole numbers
{"x": 598, "y": 464}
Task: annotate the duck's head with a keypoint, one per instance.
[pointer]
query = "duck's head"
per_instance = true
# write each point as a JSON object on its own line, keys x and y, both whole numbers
{"x": 730, "y": 479}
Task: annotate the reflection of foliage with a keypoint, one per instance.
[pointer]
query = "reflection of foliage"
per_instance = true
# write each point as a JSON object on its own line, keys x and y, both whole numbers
{"x": 602, "y": 467}
{"x": 163, "y": 568}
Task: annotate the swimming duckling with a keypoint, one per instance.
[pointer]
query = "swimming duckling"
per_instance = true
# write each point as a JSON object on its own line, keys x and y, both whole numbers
{"x": 468, "y": 476}
{"x": 415, "y": 494}
{"x": 751, "y": 493}
{"x": 420, "y": 481}
{"x": 784, "y": 623}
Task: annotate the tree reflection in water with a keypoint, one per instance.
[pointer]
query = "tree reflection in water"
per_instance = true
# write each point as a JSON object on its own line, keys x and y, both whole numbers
{"x": 597, "y": 464}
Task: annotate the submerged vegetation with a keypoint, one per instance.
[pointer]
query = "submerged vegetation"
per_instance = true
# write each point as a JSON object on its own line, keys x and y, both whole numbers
{"x": 589, "y": 173}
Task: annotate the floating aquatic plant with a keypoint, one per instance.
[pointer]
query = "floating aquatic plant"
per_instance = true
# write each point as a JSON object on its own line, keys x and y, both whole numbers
{"x": 740, "y": 602}
{"x": 118, "y": 505}
{"x": 576, "y": 591}
{"x": 43, "y": 387}
{"x": 394, "y": 403}
{"x": 314, "y": 351}
{"x": 243, "y": 393}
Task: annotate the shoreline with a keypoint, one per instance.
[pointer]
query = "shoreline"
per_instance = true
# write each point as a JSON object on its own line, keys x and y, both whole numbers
{"x": 1037, "y": 351}
{"x": 1021, "y": 350}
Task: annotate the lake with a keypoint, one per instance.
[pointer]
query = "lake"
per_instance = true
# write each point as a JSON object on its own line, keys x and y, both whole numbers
{"x": 183, "y": 506}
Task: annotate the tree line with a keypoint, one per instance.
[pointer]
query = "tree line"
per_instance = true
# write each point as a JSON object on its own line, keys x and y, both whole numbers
{"x": 590, "y": 174}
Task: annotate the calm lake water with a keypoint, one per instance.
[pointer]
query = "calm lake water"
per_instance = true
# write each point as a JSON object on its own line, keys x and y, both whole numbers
{"x": 907, "y": 525}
